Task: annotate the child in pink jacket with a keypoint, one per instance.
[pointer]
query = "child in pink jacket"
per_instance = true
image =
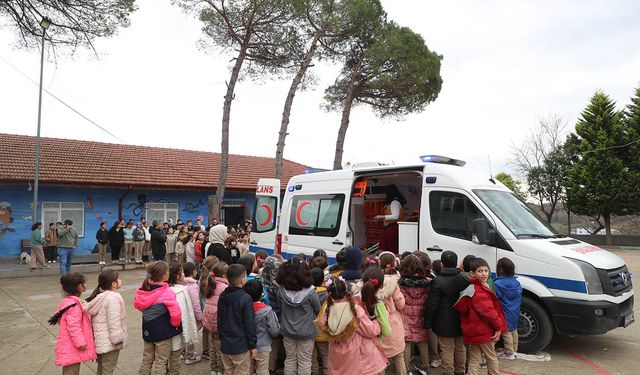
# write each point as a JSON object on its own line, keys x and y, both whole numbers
{"x": 216, "y": 284}
{"x": 193, "y": 288}
{"x": 393, "y": 299}
{"x": 108, "y": 319}
{"x": 161, "y": 317}
{"x": 74, "y": 344}
{"x": 352, "y": 335}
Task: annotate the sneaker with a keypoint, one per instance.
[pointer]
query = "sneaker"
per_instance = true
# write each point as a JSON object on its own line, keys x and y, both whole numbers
{"x": 192, "y": 360}
{"x": 506, "y": 356}
{"x": 46, "y": 266}
{"x": 436, "y": 363}
{"x": 215, "y": 373}
{"x": 483, "y": 365}
{"x": 421, "y": 369}
{"x": 205, "y": 355}
{"x": 48, "y": 261}
{"x": 182, "y": 357}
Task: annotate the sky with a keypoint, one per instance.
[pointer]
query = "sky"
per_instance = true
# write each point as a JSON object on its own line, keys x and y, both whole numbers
{"x": 506, "y": 64}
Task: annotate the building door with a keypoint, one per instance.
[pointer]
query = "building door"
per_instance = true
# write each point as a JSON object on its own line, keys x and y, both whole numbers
{"x": 232, "y": 215}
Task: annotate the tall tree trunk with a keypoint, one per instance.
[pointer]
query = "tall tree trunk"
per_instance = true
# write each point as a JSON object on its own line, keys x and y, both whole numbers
{"x": 346, "y": 112}
{"x": 215, "y": 207}
{"x": 568, "y": 222}
{"x": 284, "y": 124}
{"x": 607, "y": 227}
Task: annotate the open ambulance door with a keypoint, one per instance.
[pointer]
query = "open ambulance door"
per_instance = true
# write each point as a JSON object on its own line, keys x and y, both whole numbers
{"x": 265, "y": 215}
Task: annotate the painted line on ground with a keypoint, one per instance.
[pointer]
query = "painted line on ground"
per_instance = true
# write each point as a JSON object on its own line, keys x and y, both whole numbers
{"x": 587, "y": 362}
{"x": 40, "y": 297}
{"x": 509, "y": 372}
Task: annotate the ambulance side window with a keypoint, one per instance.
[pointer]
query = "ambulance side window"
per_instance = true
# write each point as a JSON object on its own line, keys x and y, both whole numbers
{"x": 316, "y": 215}
{"x": 452, "y": 214}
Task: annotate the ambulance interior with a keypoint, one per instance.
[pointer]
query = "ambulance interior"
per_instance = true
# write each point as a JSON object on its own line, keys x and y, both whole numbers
{"x": 367, "y": 201}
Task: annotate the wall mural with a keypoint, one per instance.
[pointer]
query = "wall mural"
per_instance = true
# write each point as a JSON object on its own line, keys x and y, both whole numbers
{"x": 141, "y": 205}
{"x": 193, "y": 207}
{"x": 5, "y": 219}
{"x": 89, "y": 202}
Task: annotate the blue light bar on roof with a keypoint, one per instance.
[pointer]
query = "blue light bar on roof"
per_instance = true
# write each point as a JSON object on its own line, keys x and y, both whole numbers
{"x": 442, "y": 160}
{"x": 314, "y": 170}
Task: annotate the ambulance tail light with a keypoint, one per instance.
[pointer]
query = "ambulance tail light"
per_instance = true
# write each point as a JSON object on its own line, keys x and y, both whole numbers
{"x": 278, "y": 244}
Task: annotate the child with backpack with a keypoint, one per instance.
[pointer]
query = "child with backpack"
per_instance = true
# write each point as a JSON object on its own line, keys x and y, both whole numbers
{"x": 353, "y": 337}
{"x": 509, "y": 292}
{"x": 74, "y": 343}
{"x": 299, "y": 307}
{"x": 267, "y": 327}
{"x": 161, "y": 318}
{"x": 482, "y": 319}
{"x": 414, "y": 285}
{"x": 108, "y": 320}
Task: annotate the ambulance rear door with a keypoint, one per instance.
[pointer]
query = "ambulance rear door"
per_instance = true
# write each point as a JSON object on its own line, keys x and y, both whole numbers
{"x": 265, "y": 215}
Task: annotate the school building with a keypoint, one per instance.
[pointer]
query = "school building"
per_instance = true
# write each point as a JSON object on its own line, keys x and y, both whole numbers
{"x": 91, "y": 182}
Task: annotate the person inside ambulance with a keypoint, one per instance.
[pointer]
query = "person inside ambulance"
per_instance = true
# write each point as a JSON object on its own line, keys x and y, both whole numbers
{"x": 393, "y": 212}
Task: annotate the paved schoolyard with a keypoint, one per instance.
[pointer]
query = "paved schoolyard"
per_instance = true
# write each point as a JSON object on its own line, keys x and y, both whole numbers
{"x": 27, "y": 341}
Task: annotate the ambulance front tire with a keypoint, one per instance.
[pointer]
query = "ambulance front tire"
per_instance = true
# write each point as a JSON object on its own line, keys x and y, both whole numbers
{"x": 535, "y": 328}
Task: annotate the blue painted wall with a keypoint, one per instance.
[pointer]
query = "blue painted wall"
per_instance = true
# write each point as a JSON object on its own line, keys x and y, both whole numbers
{"x": 99, "y": 205}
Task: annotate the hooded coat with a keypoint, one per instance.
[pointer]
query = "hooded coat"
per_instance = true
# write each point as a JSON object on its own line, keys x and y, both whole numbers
{"x": 236, "y": 321}
{"x": 210, "y": 313}
{"x": 161, "y": 314}
{"x": 75, "y": 332}
{"x": 393, "y": 300}
{"x": 269, "y": 273}
{"x": 509, "y": 292}
{"x": 416, "y": 294}
{"x": 267, "y": 326}
{"x": 440, "y": 315}
{"x": 194, "y": 294}
{"x": 109, "y": 321}
{"x": 189, "y": 325}
{"x": 353, "y": 340}
{"x": 480, "y": 313}
{"x": 298, "y": 310}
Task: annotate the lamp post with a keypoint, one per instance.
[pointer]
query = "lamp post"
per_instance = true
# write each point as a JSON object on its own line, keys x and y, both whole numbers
{"x": 44, "y": 24}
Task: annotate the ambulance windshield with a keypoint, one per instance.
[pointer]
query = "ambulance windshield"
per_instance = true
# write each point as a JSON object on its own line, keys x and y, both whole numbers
{"x": 521, "y": 220}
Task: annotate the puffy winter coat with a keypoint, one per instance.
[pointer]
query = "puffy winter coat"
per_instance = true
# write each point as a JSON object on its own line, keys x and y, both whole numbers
{"x": 480, "y": 313}
{"x": 194, "y": 295}
{"x": 298, "y": 310}
{"x": 236, "y": 321}
{"x": 75, "y": 332}
{"x": 509, "y": 292}
{"x": 189, "y": 326}
{"x": 353, "y": 340}
{"x": 416, "y": 294}
{"x": 394, "y": 302}
{"x": 109, "y": 321}
{"x": 161, "y": 315}
{"x": 210, "y": 314}
{"x": 440, "y": 314}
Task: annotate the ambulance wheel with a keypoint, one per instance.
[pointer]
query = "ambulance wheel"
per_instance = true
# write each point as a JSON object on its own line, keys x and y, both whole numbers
{"x": 535, "y": 329}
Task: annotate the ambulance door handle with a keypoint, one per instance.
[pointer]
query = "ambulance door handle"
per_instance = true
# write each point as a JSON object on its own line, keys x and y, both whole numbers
{"x": 337, "y": 242}
{"x": 435, "y": 248}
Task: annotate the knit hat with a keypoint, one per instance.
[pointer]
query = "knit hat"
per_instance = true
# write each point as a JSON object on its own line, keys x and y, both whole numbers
{"x": 353, "y": 262}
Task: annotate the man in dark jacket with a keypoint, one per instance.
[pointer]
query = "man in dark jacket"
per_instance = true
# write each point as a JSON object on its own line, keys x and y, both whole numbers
{"x": 236, "y": 324}
{"x": 158, "y": 241}
{"x": 442, "y": 317}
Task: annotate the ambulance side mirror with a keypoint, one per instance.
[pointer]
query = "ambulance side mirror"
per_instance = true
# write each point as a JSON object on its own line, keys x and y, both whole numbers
{"x": 482, "y": 233}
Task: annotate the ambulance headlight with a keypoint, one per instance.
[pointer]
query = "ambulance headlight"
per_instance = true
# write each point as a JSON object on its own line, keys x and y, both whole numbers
{"x": 594, "y": 285}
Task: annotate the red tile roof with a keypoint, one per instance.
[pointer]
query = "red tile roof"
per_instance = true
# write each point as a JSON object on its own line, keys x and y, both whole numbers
{"x": 84, "y": 163}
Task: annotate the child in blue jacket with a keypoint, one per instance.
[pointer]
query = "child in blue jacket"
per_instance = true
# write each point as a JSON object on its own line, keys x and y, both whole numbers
{"x": 509, "y": 293}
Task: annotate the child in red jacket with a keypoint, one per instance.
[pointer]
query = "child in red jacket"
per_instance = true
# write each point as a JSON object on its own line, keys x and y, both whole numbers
{"x": 482, "y": 319}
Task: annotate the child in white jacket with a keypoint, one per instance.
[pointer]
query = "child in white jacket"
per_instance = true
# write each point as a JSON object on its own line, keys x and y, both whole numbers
{"x": 108, "y": 320}
{"x": 189, "y": 336}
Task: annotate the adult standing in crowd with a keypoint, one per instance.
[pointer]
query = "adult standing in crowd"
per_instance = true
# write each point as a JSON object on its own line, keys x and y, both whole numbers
{"x": 147, "y": 239}
{"x": 102, "y": 236}
{"x": 138, "y": 242}
{"x": 158, "y": 241}
{"x": 172, "y": 239}
{"x": 67, "y": 242}
{"x": 217, "y": 236}
{"x": 36, "y": 243}
{"x": 128, "y": 241}
{"x": 393, "y": 212}
{"x": 116, "y": 240}
{"x": 52, "y": 243}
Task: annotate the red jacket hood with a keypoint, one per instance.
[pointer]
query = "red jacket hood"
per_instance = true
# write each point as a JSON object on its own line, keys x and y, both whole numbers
{"x": 145, "y": 298}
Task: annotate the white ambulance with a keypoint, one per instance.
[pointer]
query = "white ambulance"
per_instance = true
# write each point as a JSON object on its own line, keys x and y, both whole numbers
{"x": 569, "y": 286}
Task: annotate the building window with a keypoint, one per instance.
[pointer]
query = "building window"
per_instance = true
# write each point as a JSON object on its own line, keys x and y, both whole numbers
{"x": 162, "y": 212}
{"x": 53, "y": 212}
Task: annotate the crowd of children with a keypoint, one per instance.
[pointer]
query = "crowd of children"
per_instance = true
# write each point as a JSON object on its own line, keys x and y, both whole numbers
{"x": 358, "y": 316}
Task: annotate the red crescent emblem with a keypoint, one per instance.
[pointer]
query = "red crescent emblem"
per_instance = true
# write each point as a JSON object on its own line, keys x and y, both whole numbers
{"x": 269, "y": 215}
{"x": 299, "y": 212}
